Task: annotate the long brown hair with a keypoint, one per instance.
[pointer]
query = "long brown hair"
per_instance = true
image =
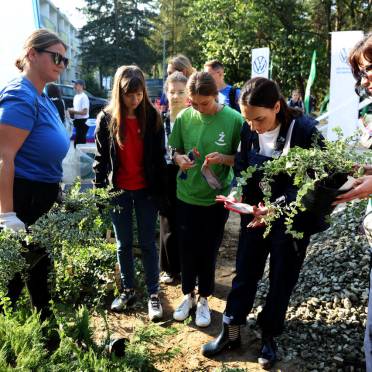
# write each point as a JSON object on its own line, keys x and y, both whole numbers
{"x": 39, "y": 40}
{"x": 264, "y": 92}
{"x": 130, "y": 79}
{"x": 362, "y": 49}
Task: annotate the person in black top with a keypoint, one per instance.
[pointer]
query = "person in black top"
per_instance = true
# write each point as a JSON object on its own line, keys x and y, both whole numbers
{"x": 271, "y": 128}
{"x": 175, "y": 89}
{"x": 55, "y": 96}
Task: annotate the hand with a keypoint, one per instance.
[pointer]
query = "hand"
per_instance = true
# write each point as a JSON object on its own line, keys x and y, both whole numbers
{"x": 258, "y": 213}
{"x": 184, "y": 162}
{"x": 214, "y": 158}
{"x": 70, "y": 111}
{"x": 11, "y": 221}
{"x": 362, "y": 188}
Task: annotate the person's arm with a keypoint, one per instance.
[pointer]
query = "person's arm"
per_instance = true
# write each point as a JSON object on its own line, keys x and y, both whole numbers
{"x": 101, "y": 165}
{"x": 362, "y": 189}
{"x": 182, "y": 160}
{"x": 75, "y": 112}
{"x": 221, "y": 159}
{"x": 11, "y": 140}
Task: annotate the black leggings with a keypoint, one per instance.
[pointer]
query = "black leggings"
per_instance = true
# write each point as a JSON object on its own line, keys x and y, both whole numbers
{"x": 200, "y": 233}
{"x": 31, "y": 200}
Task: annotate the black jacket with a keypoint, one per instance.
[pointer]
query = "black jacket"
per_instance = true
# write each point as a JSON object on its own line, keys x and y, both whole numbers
{"x": 106, "y": 160}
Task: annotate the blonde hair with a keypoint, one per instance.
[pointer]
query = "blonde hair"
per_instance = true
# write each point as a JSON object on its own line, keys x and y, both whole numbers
{"x": 181, "y": 63}
{"x": 130, "y": 79}
{"x": 38, "y": 40}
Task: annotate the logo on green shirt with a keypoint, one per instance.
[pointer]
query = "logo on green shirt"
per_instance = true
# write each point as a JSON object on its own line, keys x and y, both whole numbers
{"x": 221, "y": 139}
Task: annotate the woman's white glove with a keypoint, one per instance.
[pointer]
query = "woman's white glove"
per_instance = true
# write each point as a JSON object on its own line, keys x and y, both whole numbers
{"x": 11, "y": 221}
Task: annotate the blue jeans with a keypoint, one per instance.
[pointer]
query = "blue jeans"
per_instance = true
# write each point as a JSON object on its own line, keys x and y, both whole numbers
{"x": 146, "y": 215}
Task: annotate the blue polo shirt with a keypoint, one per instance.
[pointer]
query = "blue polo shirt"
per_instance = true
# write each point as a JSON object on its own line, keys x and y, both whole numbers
{"x": 40, "y": 156}
{"x": 224, "y": 95}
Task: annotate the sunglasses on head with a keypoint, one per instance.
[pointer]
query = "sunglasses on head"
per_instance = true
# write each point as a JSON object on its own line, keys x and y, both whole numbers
{"x": 56, "y": 57}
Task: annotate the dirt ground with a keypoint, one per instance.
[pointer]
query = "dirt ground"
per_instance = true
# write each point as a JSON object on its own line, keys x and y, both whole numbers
{"x": 189, "y": 338}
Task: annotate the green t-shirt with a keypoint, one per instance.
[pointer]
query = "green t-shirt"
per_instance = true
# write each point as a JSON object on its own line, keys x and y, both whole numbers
{"x": 207, "y": 133}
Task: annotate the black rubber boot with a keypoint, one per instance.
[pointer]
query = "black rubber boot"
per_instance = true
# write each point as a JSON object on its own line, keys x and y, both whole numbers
{"x": 267, "y": 357}
{"x": 221, "y": 342}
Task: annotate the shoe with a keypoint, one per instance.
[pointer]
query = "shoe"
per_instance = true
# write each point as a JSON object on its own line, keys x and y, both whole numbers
{"x": 268, "y": 350}
{"x": 125, "y": 300}
{"x": 203, "y": 314}
{"x": 155, "y": 309}
{"x": 166, "y": 278}
{"x": 183, "y": 310}
{"x": 228, "y": 339}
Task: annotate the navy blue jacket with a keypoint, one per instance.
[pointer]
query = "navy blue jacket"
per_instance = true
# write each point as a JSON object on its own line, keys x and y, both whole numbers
{"x": 303, "y": 134}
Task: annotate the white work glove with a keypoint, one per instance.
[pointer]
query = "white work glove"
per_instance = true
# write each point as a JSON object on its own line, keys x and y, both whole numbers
{"x": 11, "y": 221}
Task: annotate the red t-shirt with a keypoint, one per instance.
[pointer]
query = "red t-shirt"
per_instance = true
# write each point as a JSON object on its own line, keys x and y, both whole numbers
{"x": 130, "y": 175}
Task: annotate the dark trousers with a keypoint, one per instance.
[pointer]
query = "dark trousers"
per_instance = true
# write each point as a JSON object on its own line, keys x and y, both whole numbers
{"x": 169, "y": 251}
{"x": 286, "y": 259}
{"x": 200, "y": 233}
{"x": 31, "y": 200}
{"x": 81, "y": 131}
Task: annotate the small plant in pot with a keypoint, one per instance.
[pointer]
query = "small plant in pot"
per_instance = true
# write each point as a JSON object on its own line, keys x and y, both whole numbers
{"x": 316, "y": 174}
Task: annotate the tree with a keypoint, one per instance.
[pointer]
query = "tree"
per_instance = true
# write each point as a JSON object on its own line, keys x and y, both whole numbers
{"x": 116, "y": 34}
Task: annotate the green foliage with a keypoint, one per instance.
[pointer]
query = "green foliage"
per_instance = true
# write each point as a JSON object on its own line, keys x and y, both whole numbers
{"x": 11, "y": 259}
{"x": 21, "y": 343}
{"x": 115, "y": 34}
{"x": 74, "y": 234}
{"x": 92, "y": 85}
{"x": 229, "y": 29}
{"x": 307, "y": 168}
{"x": 24, "y": 343}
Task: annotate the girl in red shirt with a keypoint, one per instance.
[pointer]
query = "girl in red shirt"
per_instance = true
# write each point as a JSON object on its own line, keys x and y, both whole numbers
{"x": 130, "y": 157}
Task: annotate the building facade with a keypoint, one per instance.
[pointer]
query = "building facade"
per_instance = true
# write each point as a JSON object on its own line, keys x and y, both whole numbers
{"x": 54, "y": 20}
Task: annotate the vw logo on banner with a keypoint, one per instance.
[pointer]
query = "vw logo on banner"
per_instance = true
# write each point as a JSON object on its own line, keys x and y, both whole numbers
{"x": 343, "y": 55}
{"x": 260, "y": 62}
{"x": 259, "y": 65}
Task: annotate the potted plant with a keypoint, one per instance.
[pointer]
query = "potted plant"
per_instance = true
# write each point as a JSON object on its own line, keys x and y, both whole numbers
{"x": 317, "y": 173}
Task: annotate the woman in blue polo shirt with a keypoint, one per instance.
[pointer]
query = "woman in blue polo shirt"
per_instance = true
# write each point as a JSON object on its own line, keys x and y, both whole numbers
{"x": 33, "y": 143}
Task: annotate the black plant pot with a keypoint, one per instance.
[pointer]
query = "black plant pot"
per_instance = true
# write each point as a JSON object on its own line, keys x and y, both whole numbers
{"x": 318, "y": 204}
{"x": 117, "y": 347}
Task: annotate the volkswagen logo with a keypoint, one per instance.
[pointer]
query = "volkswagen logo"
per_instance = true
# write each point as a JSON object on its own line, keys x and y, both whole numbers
{"x": 259, "y": 65}
{"x": 343, "y": 55}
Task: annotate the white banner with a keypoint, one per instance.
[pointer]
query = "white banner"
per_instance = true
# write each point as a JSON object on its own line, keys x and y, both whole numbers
{"x": 17, "y": 21}
{"x": 260, "y": 62}
{"x": 343, "y": 101}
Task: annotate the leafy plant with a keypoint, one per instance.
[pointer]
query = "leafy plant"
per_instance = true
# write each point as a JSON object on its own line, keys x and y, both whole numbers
{"x": 11, "y": 257}
{"x": 308, "y": 169}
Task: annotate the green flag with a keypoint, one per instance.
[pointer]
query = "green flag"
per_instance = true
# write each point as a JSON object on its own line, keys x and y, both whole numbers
{"x": 310, "y": 82}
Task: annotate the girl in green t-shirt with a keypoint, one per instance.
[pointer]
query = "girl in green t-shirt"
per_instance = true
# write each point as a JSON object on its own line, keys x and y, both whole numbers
{"x": 205, "y": 138}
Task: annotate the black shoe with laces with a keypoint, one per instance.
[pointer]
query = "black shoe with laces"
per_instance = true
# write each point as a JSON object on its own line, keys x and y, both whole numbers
{"x": 267, "y": 357}
{"x": 125, "y": 300}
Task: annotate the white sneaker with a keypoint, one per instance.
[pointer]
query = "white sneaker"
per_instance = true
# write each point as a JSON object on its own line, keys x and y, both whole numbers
{"x": 203, "y": 314}
{"x": 155, "y": 308}
{"x": 166, "y": 278}
{"x": 183, "y": 310}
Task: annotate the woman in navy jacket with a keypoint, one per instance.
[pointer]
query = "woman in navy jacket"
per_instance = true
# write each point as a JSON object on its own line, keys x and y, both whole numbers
{"x": 271, "y": 128}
